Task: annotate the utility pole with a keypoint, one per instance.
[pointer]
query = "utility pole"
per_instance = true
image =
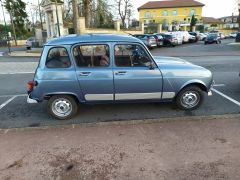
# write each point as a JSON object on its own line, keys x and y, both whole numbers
{"x": 5, "y": 27}
{"x": 75, "y": 16}
{"x": 239, "y": 15}
{"x": 59, "y": 33}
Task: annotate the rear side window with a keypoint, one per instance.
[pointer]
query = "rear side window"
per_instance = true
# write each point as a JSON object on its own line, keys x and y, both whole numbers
{"x": 92, "y": 55}
{"x": 58, "y": 58}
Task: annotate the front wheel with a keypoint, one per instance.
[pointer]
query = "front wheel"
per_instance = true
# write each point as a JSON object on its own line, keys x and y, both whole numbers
{"x": 190, "y": 98}
{"x": 62, "y": 107}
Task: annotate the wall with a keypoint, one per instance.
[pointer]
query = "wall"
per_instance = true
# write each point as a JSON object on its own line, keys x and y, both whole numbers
{"x": 157, "y": 14}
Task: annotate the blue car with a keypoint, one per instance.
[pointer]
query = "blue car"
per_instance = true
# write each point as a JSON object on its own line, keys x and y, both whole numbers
{"x": 105, "y": 68}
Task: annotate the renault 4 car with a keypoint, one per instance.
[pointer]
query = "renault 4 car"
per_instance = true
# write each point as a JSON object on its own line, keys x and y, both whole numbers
{"x": 105, "y": 68}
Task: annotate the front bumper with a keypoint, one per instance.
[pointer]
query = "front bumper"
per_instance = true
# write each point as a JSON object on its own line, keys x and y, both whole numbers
{"x": 31, "y": 101}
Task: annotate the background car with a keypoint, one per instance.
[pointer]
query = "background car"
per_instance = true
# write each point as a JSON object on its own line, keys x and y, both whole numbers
{"x": 197, "y": 37}
{"x": 192, "y": 38}
{"x": 238, "y": 37}
{"x": 186, "y": 36}
{"x": 233, "y": 35}
{"x": 169, "y": 40}
{"x": 159, "y": 40}
{"x": 148, "y": 40}
{"x": 29, "y": 42}
{"x": 212, "y": 38}
{"x": 202, "y": 36}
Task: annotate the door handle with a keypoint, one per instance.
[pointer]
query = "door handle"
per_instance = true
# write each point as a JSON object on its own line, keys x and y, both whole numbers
{"x": 120, "y": 73}
{"x": 84, "y": 73}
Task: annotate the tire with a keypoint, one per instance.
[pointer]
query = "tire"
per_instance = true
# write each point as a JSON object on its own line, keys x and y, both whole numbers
{"x": 62, "y": 107}
{"x": 188, "y": 94}
{"x": 205, "y": 43}
{"x": 28, "y": 48}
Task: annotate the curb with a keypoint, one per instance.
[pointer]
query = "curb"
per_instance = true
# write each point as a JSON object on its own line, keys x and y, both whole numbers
{"x": 128, "y": 122}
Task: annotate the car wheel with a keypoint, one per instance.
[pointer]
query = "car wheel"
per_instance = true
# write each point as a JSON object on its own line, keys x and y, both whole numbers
{"x": 28, "y": 48}
{"x": 190, "y": 98}
{"x": 205, "y": 43}
{"x": 62, "y": 107}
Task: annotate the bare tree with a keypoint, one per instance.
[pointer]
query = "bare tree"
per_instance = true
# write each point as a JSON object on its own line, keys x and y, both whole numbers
{"x": 75, "y": 15}
{"x": 124, "y": 10}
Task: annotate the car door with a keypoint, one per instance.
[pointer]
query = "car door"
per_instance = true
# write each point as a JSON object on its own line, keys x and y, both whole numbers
{"x": 136, "y": 77}
{"x": 94, "y": 71}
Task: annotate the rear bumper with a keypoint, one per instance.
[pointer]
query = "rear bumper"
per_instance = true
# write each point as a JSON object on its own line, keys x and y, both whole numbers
{"x": 31, "y": 101}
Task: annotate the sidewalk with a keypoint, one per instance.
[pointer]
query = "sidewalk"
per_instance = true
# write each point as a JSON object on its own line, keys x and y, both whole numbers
{"x": 36, "y": 52}
{"x": 194, "y": 148}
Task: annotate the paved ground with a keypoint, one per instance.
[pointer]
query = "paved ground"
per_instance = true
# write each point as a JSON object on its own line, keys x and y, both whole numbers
{"x": 225, "y": 65}
{"x": 180, "y": 149}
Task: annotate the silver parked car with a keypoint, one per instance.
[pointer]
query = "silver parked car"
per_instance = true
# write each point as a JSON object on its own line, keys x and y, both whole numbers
{"x": 149, "y": 40}
{"x": 105, "y": 68}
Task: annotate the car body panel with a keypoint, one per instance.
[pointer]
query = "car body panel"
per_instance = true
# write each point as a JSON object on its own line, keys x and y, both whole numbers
{"x": 161, "y": 81}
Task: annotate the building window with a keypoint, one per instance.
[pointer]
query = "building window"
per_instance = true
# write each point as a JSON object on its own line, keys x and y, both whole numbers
{"x": 165, "y": 13}
{"x": 192, "y": 12}
{"x": 147, "y": 15}
{"x": 174, "y": 13}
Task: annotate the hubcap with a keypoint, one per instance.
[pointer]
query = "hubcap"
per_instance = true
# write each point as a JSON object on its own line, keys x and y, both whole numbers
{"x": 190, "y": 99}
{"x": 61, "y": 107}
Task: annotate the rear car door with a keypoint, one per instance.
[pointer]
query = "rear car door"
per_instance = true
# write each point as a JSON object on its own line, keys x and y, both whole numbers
{"x": 136, "y": 77}
{"x": 94, "y": 71}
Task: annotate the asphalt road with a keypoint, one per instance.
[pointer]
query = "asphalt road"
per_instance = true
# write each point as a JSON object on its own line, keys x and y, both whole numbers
{"x": 223, "y": 60}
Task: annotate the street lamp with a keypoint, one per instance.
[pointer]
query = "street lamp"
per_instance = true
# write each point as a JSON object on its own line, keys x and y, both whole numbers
{"x": 5, "y": 27}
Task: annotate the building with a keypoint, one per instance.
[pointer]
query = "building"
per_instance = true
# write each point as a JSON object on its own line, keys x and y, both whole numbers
{"x": 230, "y": 22}
{"x": 211, "y": 23}
{"x": 172, "y": 14}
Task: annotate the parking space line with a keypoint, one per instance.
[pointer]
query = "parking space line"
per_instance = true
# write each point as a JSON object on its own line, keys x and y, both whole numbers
{"x": 17, "y": 73}
{"x": 17, "y": 95}
{"x": 6, "y": 102}
{"x": 219, "y": 85}
{"x": 227, "y": 97}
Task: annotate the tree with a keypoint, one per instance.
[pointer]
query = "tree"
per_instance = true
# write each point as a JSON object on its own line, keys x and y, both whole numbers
{"x": 124, "y": 10}
{"x": 75, "y": 16}
{"x": 193, "y": 22}
{"x": 18, "y": 15}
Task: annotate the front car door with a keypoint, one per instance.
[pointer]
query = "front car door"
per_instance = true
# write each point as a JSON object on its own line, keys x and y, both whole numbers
{"x": 136, "y": 77}
{"x": 94, "y": 71}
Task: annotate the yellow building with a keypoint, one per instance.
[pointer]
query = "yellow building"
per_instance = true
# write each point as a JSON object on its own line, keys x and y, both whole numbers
{"x": 172, "y": 14}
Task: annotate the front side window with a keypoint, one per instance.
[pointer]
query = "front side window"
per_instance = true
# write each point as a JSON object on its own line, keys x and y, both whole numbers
{"x": 129, "y": 55}
{"x": 174, "y": 13}
{"x": 58, "y": 58}
{"x": 92, "y": 55}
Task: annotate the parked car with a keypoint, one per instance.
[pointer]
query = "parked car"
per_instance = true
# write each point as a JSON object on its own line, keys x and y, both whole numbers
{"x": 148, "y": 40}
{"x": 29, "y": 42}
{"x": 233, "y": 35}
{"x": 238, "y": 37}
{"x": 202, "y": 36}
{"x": 186, "y": 36}
{"x": 212, "y": 38}
{"x": 192, "y": 38}
{"x": 197, "y": 37}
{"x": 102, "y": 68}
{"x": 222, "y": 36}
{"x": 159, "y": 40}
{"x": 178, "y": 36}
{"x": 169, "y": 40}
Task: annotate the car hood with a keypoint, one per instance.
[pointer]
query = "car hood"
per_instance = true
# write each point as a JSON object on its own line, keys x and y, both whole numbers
{"x": 160, "y": 60}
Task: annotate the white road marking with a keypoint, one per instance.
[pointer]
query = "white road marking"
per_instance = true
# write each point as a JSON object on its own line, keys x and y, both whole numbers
{"x": 17, "y": 95}
{"x": 11, "y": 73}
{"x": 227, "y": 97}
{"x": 1, "y": 53}
{"x": 219, "y": 85}
{"x": 6, "y": 102}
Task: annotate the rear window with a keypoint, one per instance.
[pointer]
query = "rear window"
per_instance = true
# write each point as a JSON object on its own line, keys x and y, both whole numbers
{"x": 58, "y": 58}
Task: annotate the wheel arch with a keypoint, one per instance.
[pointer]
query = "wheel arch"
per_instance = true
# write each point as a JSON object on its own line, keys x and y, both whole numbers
{"x": 197, "y": 83}
{"x": 49, "y": 95}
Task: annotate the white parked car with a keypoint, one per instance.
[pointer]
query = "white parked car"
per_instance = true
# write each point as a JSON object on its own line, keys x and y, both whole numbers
{"x": 186, "y": 36}
{"x": 178, "y": 36}
{"x": 233, "y": 35}
{"x": 29, "y": 42}
{"x": 202, "y": 36}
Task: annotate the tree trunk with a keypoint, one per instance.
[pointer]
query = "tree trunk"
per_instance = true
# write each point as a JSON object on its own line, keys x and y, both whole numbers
{"x": 87, "y": 12}
{"x": 75, "y": 16}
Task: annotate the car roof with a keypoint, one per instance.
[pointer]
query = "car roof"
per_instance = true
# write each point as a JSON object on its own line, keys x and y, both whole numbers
{"x": 91, "y": 38}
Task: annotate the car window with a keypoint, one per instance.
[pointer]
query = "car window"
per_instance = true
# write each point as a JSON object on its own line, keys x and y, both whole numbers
{"x": 92, "y": 55}
{"x": 58, "y": 58}
{"x": 129, "y": 55}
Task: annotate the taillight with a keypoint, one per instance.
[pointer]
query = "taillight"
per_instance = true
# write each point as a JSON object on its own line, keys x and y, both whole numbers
{"x": 31, "y": 84}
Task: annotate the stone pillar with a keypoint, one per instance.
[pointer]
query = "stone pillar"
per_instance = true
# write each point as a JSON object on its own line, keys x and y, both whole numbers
{"x": 170, "y": 27}
{"x": 117, "y": 25}
{"x": 159, "y": 29}
{"x": 194, "y": 28}
{"x": 185, "y": 28}
{"x": 81, "y": 25}
{"x": 141, "y": 24}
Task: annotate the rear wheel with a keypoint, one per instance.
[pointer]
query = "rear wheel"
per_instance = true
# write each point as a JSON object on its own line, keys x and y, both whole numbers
{"x": 62, "y": 107}
{"x": 190, "y": 98}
